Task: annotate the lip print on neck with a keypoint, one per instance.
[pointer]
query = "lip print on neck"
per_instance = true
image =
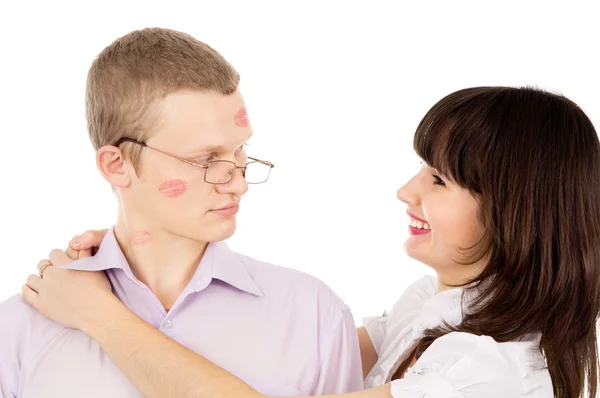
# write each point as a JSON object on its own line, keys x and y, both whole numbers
{"x": 140, "y": 237}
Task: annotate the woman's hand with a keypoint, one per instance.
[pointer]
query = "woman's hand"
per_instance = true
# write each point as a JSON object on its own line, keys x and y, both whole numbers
{"x": 72, "y": 298}
{"x": 86, "y": 243}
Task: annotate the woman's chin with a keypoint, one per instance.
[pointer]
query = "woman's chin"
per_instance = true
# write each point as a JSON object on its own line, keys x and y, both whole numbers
{"x": 416, "y": 249}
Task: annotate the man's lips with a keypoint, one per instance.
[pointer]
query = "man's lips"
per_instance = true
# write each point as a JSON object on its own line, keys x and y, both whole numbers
{"x": 229, "y": 206}
{"x": 229, "y": 210}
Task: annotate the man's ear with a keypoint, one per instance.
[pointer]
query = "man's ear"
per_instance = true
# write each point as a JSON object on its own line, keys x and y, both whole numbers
{"x": 112, "y": 166}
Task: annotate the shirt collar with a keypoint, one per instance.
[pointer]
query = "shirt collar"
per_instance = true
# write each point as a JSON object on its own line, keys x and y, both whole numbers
{"x": 219, "y": 262}
{"x": 108, "y": 256}
{"x": 446, "y": 305}
{"x": 450, "y": 306}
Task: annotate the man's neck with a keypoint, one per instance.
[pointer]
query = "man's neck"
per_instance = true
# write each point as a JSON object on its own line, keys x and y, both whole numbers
{"x": 162, "y": 261}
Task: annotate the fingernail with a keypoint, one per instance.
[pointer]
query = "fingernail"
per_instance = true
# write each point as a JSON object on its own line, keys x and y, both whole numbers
{"x": 75, "y": 242}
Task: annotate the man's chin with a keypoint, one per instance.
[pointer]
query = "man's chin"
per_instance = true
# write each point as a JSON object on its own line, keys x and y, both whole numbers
{"x": 223, "y": 233}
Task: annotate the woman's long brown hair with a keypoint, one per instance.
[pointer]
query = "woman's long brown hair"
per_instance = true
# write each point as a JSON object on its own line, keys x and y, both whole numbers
{"x": 532, "y": 160}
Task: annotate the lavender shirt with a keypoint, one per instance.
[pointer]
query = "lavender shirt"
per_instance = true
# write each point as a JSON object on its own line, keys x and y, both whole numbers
{"x": 283, "y": 332}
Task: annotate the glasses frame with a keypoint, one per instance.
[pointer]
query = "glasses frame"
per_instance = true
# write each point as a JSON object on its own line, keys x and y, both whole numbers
{"x": 204, "y": 166}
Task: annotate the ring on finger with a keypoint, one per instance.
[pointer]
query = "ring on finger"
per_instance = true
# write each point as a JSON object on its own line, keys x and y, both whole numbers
{"x": 42, "y": 266}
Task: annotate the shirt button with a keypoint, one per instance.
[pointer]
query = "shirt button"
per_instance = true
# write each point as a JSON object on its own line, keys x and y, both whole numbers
{"x": 167, "y": 324}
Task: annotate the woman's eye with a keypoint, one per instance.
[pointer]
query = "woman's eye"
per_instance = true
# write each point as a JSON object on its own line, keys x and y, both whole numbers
{"x": 437, "y": 180}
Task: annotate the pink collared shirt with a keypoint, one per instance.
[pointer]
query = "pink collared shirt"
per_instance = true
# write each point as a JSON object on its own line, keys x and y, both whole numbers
{"x": 283, "y": 332}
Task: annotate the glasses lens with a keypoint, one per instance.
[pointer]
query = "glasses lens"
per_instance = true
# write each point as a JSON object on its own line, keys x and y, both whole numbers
{"x": 219, "y": 172}
{"x": 257, "y": 172}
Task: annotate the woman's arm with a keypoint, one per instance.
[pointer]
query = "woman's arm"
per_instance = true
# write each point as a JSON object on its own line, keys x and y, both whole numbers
{"x": 157, "y": 365}
{"x": 367, "y": 351}
{"x": 160, "y": 367}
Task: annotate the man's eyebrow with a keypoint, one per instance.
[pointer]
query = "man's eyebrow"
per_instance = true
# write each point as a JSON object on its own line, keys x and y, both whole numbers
{"x": 207, "y": 149}
{"x": 214, "y": 148}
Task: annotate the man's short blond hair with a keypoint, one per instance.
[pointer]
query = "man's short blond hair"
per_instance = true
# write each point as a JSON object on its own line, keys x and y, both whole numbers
{"x": 130, "y": 76}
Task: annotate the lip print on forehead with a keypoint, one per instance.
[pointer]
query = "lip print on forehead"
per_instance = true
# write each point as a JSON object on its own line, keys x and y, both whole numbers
{"x": 140, "y": 237}
{"x": 241, "y": 118}
{"x": 173, "y": 188}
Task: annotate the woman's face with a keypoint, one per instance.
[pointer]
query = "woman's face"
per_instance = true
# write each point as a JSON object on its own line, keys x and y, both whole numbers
{"x": 444, "y": 223}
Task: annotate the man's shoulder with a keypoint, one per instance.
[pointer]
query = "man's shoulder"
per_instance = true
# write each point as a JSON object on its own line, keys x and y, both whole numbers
{"x": 22, "y": 324}
{"x": 255, "y": 266}
{"x": 24, "y": 334}
{"x": 15, "y": 309}
{"x": 281, "y": 280}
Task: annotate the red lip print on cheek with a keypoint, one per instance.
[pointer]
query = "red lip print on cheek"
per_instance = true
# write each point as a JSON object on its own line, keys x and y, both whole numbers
{"x": 173, "y": 188}
{"x": 140, "y": 237}
{"x": 241, "y": 118}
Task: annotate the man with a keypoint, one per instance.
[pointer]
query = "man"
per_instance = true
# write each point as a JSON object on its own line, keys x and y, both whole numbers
{"x": 169, "y": 127}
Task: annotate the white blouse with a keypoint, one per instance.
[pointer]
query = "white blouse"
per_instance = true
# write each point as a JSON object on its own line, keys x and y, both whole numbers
{"x": 457, "y": 365}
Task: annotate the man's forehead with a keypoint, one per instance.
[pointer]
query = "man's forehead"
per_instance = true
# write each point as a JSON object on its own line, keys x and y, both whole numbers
{"x": 192, "y": 120}
{"x": 210, "y": 145}
{"x": 207, "y": 102}
{"x": 198, "y": 140}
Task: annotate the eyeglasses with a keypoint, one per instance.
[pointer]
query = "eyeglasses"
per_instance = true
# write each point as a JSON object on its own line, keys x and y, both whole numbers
{"x": 220, "y": 171}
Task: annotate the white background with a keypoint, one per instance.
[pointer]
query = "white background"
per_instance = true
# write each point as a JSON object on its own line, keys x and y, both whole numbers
{"x": 334, "y": 90}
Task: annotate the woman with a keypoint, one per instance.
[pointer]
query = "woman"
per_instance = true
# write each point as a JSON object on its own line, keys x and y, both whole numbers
{"x": 505, "y": 209}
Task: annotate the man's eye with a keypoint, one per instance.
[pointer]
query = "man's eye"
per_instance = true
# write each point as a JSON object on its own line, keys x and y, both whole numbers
{"x": 206, "y": 159}
{"x": 240, "y": 149}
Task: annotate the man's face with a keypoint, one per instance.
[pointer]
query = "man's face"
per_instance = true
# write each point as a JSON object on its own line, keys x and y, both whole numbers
{"x": 171, "y": 196}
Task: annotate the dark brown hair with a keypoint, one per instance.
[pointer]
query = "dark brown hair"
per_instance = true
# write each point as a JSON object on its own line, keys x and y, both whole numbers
{"x": 135, "y": 71}
{"x": 532, "y": 159}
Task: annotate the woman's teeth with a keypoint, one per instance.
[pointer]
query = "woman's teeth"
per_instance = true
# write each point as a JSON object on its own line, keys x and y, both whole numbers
{"x": 419, "y": 224}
